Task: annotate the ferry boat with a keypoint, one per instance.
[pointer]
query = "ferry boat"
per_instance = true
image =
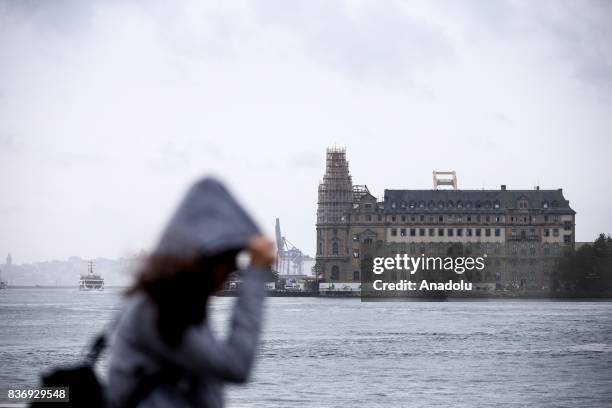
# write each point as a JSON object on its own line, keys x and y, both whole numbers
{"x": 91, "y": 281}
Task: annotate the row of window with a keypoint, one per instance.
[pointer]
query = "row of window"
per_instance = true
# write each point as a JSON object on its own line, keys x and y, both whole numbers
{"x": 533, "y": 219}
{"x": 514, "y": 249}
{"x": 475, "y": 276}
{"x": 441, "y": 232}
{"x": 440, "y": 248}
{"x": 455, "y": 218}
{"x": 451, "y": 232}
{"x": 442, "y": 251}
{"x": 521, "y": 203}
{"x": 448, "y": 204}
{"x": 448, "y": 218}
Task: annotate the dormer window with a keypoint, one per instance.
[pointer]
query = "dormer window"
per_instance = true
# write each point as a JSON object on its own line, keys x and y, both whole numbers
{"x": 412, "y": 204}
{"x": 440, "y": 204}
{"x": 431, "y": 204}
{"x": 522, "y": 203}
{"x": 487, "y": 205}
{"x": 459, "y": 204}
{"x": 496, "y": 204}
{"x": 468, "y": 204}
{"x": 403, "y": 204}
{"x": 478, "y": 204}
{"x": 555, "y": 204}
{"x": 421, "y": 204}
{"x": 393, "y": 205}
{"x": 355, "y": 205}
{"x": 545, "y": 204}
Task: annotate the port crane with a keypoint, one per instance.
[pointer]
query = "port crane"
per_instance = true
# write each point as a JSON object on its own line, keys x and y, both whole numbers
{"x": 289, "y": 260}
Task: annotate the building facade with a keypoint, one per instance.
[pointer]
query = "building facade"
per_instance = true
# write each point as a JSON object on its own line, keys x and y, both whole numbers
{"x": 522, "y": 232}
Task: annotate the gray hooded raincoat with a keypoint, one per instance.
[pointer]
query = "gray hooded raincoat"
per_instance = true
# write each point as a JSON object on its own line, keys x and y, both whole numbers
{"x": 208, "y": 221}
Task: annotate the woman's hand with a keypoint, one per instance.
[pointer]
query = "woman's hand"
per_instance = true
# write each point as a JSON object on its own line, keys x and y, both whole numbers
{"x": 262, "y": 251}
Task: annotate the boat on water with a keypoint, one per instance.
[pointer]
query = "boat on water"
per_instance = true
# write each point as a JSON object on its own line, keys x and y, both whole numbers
{"x": 92, "y": 280}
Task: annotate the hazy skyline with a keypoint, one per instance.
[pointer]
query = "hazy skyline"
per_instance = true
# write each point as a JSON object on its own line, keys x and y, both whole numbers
{"x": 108, "y": 111}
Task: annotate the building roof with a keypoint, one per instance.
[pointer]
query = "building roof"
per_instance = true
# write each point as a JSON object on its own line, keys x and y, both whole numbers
{"x": 492, "y": 201}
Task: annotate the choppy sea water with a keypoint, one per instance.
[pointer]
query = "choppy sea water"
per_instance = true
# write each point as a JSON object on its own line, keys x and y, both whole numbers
{"x": 320, "y": 352}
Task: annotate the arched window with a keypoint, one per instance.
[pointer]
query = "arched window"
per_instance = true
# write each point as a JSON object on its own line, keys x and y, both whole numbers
{"x": 412, "y": 204}
{"x": 440, "y": 204}
{"x": 431, "y": 204}
{"x": 335, "y": 248}
{"x": 459, "y": 204}
{"x": 335, "y": 273}
{"x": 421, "y": 204}
{"x": 449, "y": 204}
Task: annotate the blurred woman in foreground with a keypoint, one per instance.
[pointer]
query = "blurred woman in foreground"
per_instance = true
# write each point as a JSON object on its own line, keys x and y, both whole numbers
{"x": 164, "y": 353}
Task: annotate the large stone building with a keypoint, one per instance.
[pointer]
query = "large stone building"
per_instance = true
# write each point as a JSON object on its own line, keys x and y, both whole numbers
{"x": 523, "y": 232}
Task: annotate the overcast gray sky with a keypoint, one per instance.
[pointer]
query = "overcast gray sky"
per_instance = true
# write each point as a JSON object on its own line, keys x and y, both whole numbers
{"x": 109, "y": 110}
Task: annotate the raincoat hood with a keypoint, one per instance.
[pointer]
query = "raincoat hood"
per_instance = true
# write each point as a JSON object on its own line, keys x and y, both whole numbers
{"x": 207, "y": 222}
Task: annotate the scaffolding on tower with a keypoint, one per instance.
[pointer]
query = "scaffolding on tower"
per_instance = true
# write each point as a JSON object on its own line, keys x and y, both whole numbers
{"x": 336, "y": 188}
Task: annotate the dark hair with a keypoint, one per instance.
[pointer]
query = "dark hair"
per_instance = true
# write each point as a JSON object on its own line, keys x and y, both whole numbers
{"x": 180, "y": 289}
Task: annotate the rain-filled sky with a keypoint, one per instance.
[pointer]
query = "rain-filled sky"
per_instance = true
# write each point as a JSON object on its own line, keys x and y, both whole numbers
{"x": 109, "y": 110}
